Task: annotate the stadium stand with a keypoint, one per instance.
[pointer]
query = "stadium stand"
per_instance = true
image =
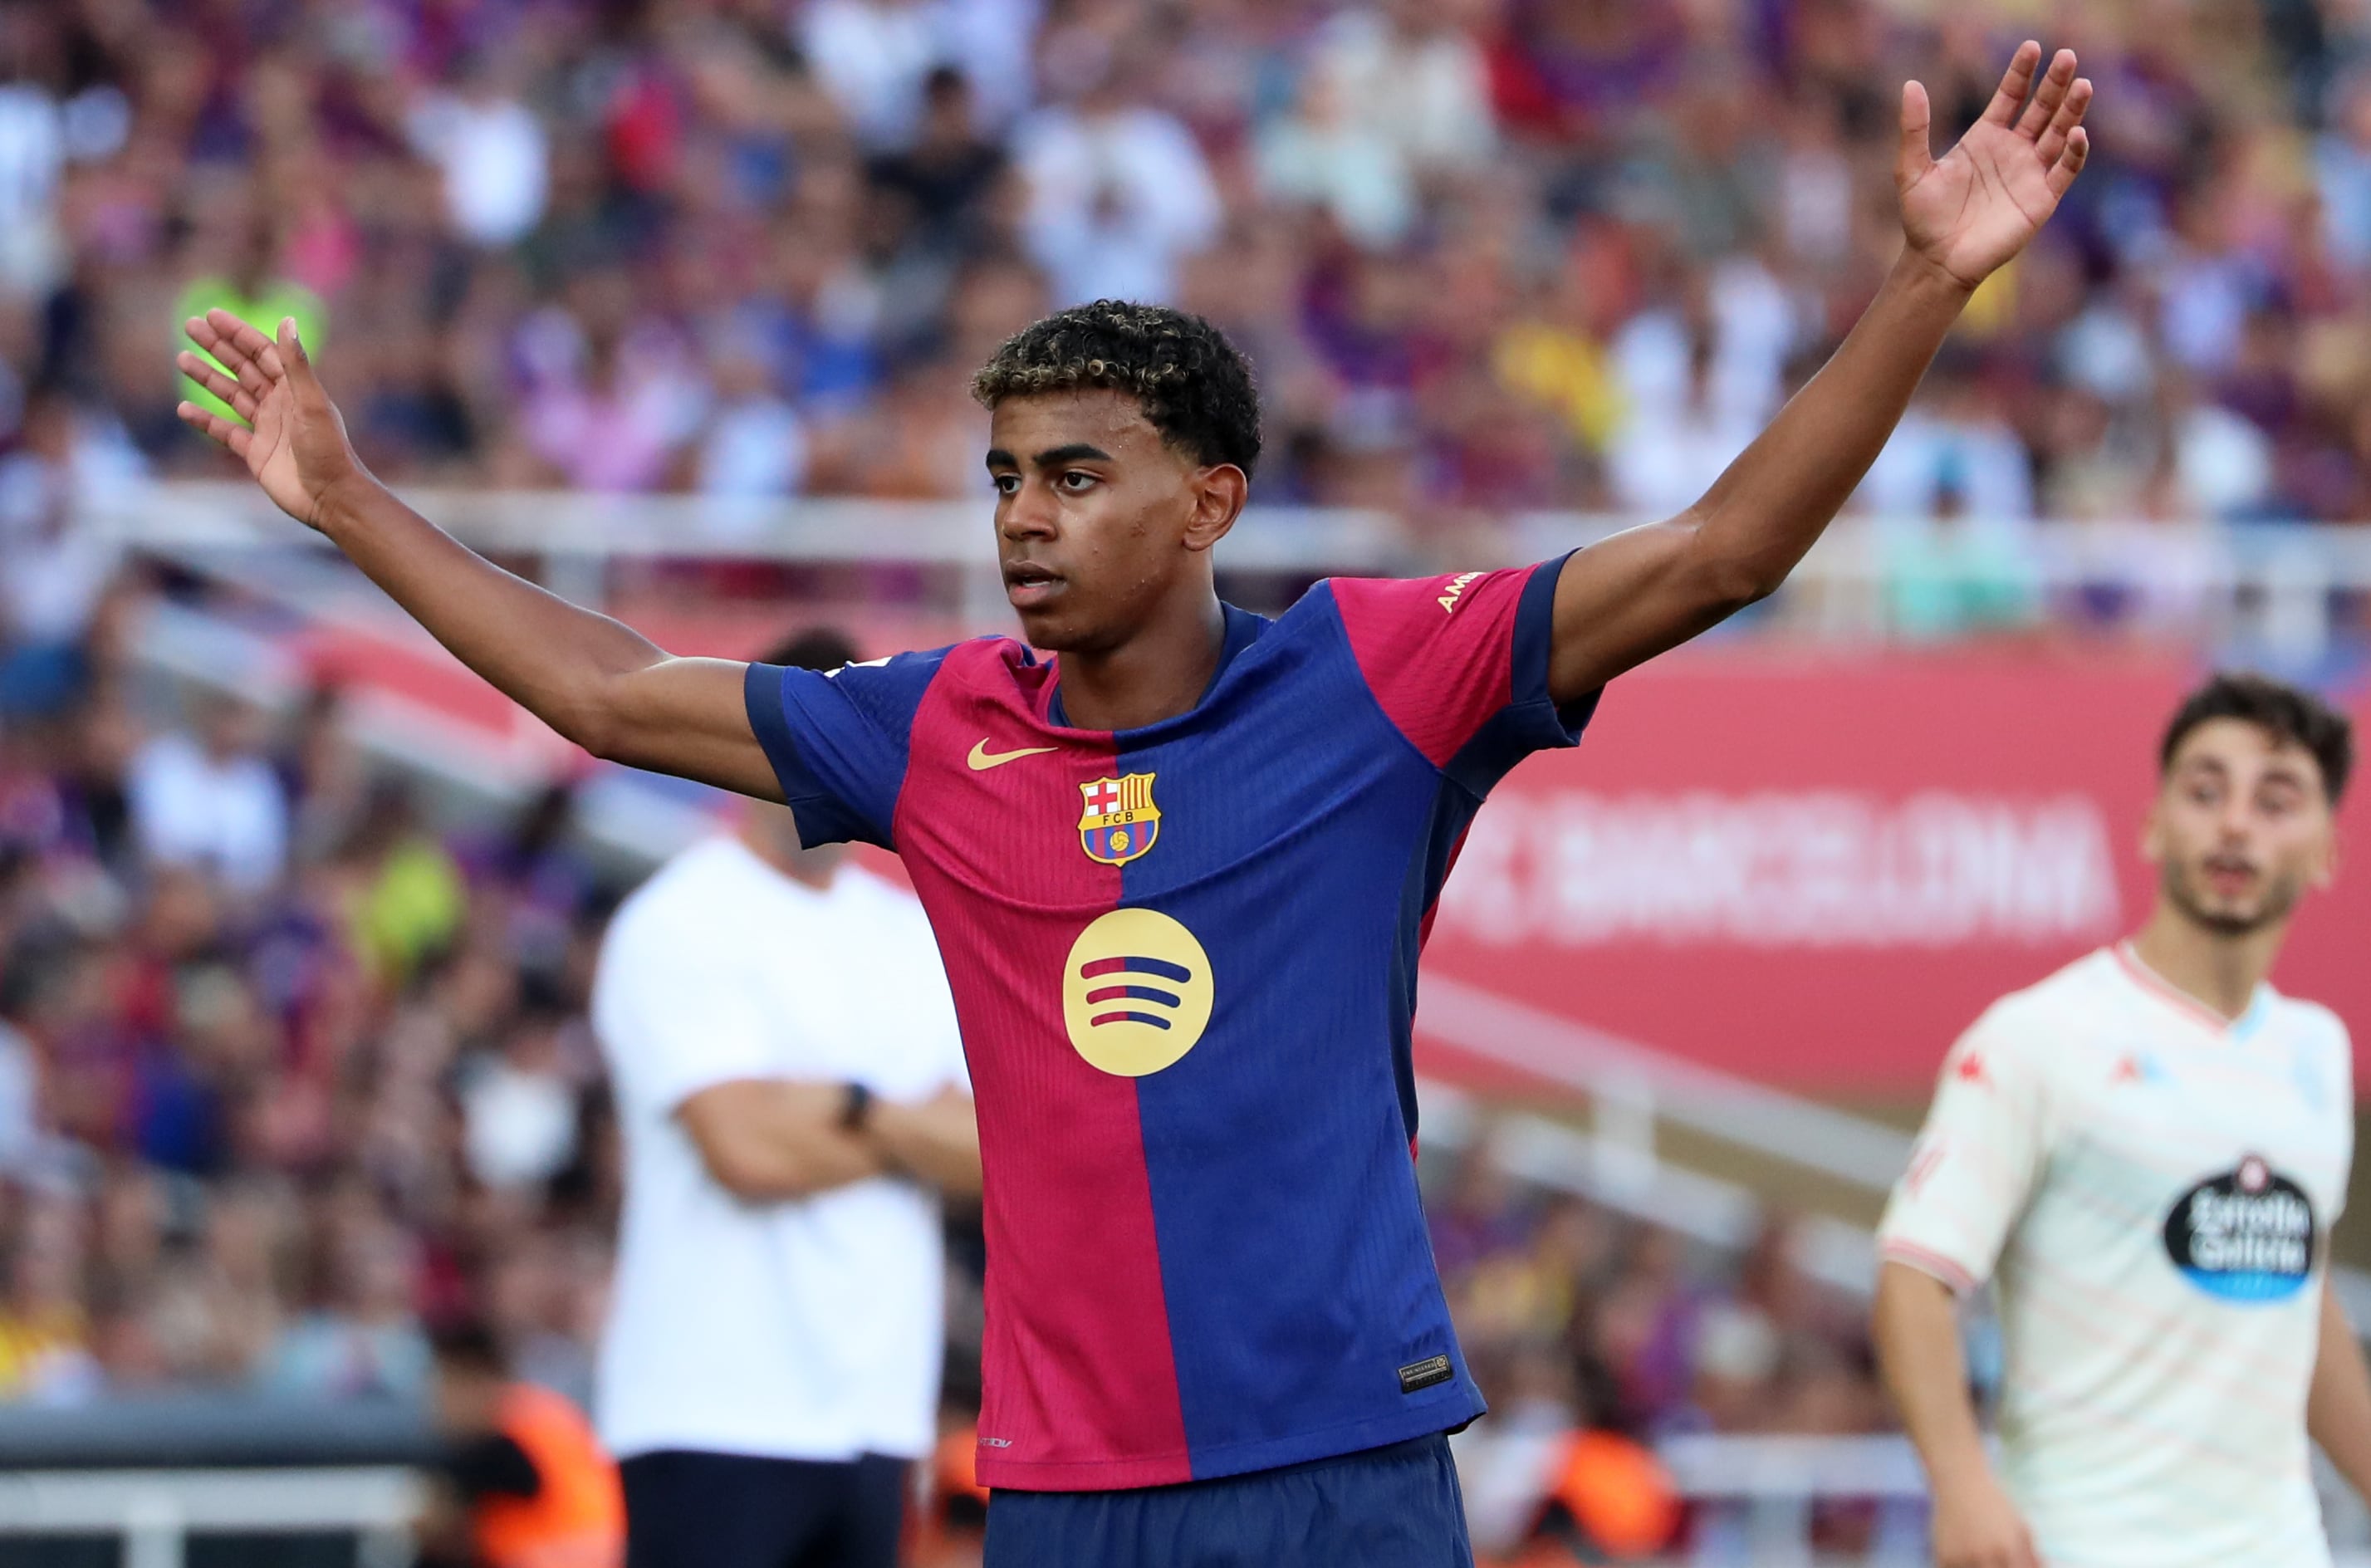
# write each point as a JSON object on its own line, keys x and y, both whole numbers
{"x": 293, "y": 1058}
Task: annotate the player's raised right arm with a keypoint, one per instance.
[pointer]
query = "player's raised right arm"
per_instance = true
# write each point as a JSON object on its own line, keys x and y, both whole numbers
{"x": 595, "y": 680}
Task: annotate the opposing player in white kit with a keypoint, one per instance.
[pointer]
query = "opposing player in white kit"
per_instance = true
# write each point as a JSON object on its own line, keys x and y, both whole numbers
{"x": 2145, "y": 1153}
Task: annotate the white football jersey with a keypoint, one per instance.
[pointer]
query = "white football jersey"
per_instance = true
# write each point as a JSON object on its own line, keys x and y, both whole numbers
{"x": 2150, "y": 1189}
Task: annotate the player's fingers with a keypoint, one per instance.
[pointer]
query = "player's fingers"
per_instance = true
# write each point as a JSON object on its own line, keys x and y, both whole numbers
{"x": 241, "y": 337}
{"x": 243, "y": 370}
{"x": 216, "y": 343}
{"x": 2014, "y": 84}
{"x": 225, "y": 353}
{"x": 1916, "y": 155}
{"x": 2070, "y": 162}
{"x": 230, "y": 433}
{"x": 2063, "y": 123}
{"x": 215, "y": 381}
{"x": 2048, "y": 94}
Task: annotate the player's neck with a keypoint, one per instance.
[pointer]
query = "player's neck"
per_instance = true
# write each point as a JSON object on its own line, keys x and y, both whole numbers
{"x": 1160, "y": 672}
{"x": 2220, "y": 971}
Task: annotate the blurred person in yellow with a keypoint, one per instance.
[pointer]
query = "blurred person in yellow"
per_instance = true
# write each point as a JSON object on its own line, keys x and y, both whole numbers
{"x": 522, "y": 1482}
{"x": 2146, "y": 1154}
{"x": 44, "y": 1332}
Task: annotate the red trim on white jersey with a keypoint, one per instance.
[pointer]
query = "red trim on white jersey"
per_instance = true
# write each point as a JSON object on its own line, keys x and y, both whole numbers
{"x": 1911, "y": 1255}
{"x": 2156, "y": 984}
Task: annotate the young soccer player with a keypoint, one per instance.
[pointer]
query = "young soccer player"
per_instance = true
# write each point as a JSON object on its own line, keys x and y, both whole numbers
{"x": 1180, "y": 873}
{"x": 2145, "y": 1153}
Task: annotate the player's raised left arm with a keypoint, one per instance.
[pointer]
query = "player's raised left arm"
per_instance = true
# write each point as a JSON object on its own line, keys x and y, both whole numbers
{"x": 1622, "y": 601}
{"x": 2338, "y": 1402}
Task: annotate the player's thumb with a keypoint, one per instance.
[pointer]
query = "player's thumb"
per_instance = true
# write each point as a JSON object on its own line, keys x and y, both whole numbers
{"x": 292, "y": 357}
{"x": 1915, "y": 155}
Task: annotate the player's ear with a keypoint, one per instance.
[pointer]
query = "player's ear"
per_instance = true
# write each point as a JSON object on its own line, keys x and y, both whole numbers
{"x": 2153, "y": 829}
{"x": 2326, "y": 872}
{"x": 1219, "y": 492}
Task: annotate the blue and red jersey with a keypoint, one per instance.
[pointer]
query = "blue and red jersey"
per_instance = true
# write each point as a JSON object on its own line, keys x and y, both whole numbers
{"x": 1183, "y": 958}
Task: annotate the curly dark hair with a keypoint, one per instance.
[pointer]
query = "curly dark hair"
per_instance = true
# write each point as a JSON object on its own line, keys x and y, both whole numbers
{"x": 1193, "y": 385}
{"x": 2288, "y": 714}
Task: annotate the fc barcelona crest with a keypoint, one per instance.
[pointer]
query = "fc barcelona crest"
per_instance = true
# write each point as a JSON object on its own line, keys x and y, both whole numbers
{"x": 1120, "y": 822}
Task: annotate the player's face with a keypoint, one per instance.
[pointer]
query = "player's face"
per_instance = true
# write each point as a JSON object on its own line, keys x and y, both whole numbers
{"x": 1099, "y": 522}
{"x": 2241, "y": 828}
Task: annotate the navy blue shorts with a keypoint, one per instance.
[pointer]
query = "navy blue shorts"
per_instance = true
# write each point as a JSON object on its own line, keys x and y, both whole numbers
{"x": 1395, "y": 1507}
{"x": 699, "y": 1510}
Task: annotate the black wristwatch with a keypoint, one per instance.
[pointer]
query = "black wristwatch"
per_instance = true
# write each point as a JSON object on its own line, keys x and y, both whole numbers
{"x": 857, "y": 1108}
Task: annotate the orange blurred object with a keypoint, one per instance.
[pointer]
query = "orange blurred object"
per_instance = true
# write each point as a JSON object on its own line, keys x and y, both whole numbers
{"x": 577, "y": 1520}
{"x": 1619, "y": 1494}
{"x": 954, "y": 1464}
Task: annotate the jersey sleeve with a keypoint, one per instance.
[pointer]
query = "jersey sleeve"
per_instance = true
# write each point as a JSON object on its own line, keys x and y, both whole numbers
{"x": 839, "y": 740}
{"x": 1460, "y": 666}
{"x": 1976, "y": 1162}
{"x": 2342, "y": 1067}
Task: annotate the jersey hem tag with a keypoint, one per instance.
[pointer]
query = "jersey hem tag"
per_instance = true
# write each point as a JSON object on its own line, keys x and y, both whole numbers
{"x": 1424, "y": 1374}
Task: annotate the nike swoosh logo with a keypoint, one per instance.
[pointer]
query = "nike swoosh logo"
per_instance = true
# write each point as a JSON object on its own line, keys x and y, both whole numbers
{"x": 982, "y": 758}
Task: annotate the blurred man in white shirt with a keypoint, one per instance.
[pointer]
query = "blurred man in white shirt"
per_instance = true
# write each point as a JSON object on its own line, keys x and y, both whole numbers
{"x": 790, "y": 1085}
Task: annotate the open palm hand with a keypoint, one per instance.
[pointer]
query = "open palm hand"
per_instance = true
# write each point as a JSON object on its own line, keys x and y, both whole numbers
{"x": 294, "y": 440}
{"x": 1975, "y": 207}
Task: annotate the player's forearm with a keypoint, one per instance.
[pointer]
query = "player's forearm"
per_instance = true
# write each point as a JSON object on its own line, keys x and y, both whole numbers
{"x": 1916, "y": 1327}
{"x": 554, "y": 658}
{"x": 2338, "y": 1403}
{"x": 767, "y": 1140}
{"x": 1771, "y": 505}
{"x": 937, "y": 1141}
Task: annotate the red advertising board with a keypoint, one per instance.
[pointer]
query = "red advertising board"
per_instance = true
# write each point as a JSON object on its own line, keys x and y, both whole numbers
{"x": 1815, "y": 869}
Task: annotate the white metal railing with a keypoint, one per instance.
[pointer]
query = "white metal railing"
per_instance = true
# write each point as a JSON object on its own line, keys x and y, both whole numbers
{"x": 1755, "y": 1497}
{"x": 154, "y": 1512}
{"x": 2275, "y": 588}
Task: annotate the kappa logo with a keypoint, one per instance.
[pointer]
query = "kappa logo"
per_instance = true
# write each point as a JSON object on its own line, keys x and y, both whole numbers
{"x": 1118, "y": 822}
{"x": 1456, "y": 589}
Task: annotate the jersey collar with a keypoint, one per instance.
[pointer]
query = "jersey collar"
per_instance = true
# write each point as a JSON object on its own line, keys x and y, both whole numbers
{"x": 2198, "y": 1012}
{"x": 1244, "y": 628}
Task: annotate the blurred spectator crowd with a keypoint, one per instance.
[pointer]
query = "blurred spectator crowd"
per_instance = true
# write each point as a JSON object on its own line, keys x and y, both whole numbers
{"x": 1488, "y": 255}
{"x": 284, "y": 1075}
{"x": 1577, "y": 1320}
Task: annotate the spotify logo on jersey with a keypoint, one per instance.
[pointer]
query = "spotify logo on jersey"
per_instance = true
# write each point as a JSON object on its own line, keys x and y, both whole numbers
{"x": 1136, "y": 992}
{"x": 2247, "y": 1235}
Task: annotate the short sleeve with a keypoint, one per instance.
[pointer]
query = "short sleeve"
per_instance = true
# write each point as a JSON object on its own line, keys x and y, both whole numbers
{"x": 675, "y": 1014}
{"x": 2341, "y": 1097}
{"x": 839, "y": 740}
{"x": 1458, "y": 664}
{"x": 1976, "y": 1161}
